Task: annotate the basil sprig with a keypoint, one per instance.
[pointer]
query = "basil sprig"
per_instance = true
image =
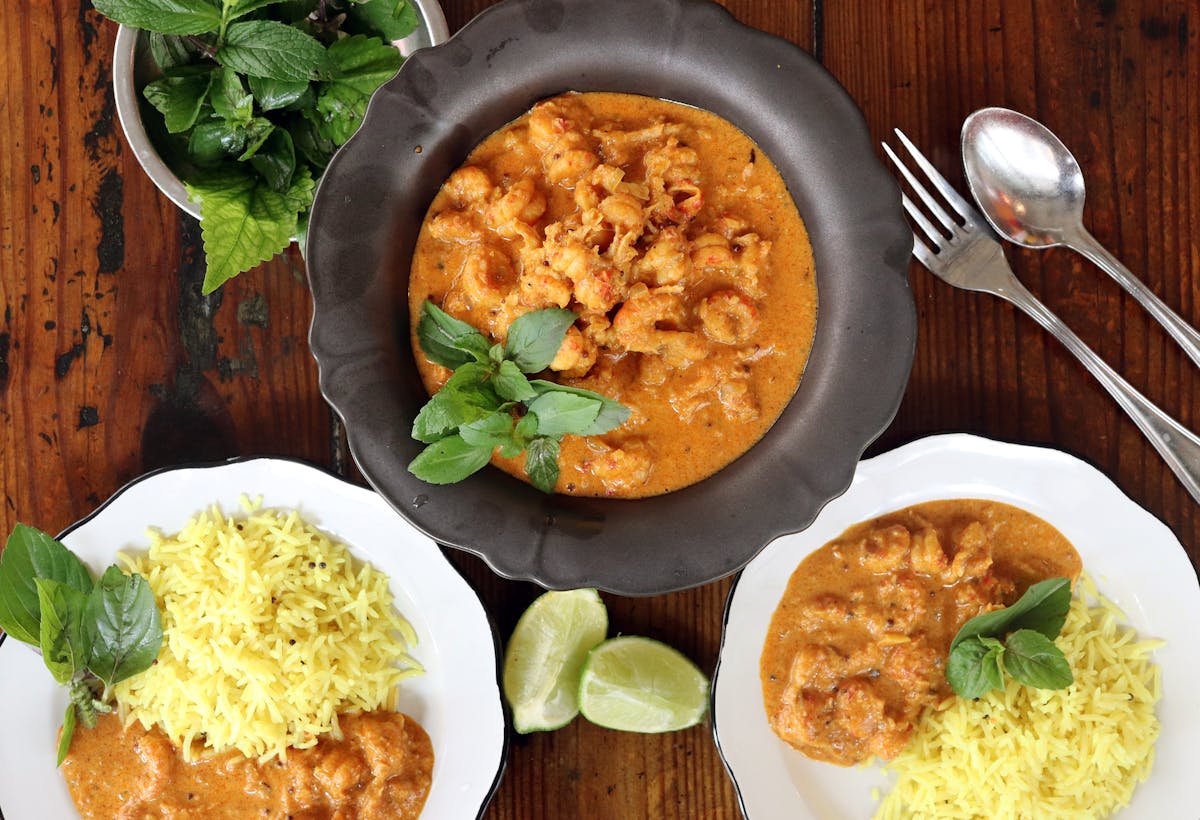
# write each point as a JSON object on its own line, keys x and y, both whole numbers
{"x": 92, "y": 635}
{"x": 1018, "y": 639}
{"x": 489, "y": 402}
{"x": 255, "y": 97}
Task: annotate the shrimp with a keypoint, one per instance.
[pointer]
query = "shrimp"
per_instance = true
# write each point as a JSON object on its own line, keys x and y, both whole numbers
{"x": 728, "y": 317}
{"x": 486, "y": 277}
{"x": 637, "y": 326}
{"x": 469, "y": 184}
{"x": 666, "y": 261}
{"x": 576, "y": 355}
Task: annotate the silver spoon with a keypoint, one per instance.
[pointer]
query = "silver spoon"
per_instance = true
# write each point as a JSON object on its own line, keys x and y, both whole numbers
{"x": 1030, "y": 189}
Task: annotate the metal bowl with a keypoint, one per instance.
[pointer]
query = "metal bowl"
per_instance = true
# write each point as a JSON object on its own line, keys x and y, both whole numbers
{"x": 133, "y": 68}
{"x": 422, "y": 124}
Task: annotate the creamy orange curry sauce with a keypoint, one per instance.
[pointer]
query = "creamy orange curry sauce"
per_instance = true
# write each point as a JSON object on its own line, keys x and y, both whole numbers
{"x": 674, "y": 240}
{"x": 857, "y": 646}
{"x": 380, "y": 770}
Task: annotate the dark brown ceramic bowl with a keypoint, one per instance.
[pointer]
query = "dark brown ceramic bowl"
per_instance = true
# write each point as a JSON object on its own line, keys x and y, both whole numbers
{"x": 421, "y": 126}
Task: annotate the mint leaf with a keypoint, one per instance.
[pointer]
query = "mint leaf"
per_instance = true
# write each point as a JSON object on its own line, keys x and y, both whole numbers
{"x": 1043, "y": 608}
{"x": 1034, "y": 660}
{"x": 244, "y": 222}
{"x": 467, "y": 397}
{"x": 266, "y": 48}
{"x": 563, "y": 413}
{"x": 230, "y": 99}
{"x": 612, "y": 413}
{"x": 491, "y": 432}
{"x": 448, "y": 461}
{"x": 512, "y": 384}
{"x": 170, "y": 50}
{"x": 163, "y": 16}
{"x": 394, "y": 19}
{"x": 275, "y": 94}
{"x": 257, "y": 132}
{"x": 214, "y": 141}
{"x": 275, "y": 161}
{"x": 362, "y": 64}
{"x": 240, "y": 8}
{"x": 178, "y": 99}
{"x": 64, "y": 650}
{"x": 448, "y": 341}
{"x": 68, "y": 732}
{"x": 28, "y": 555}
{"x": 309, "y": 141}
{"x": 121, "y": 626}
{"x": 541, "y": 463}
{"x": 534, "y": 339}
{"x": 974, "y": 668}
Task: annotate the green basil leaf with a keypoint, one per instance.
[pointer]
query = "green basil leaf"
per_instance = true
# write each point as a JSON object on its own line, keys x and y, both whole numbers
{"x": 230, "y": 99}
{"x": 178, "y": 99}
{"x": 490, "y": 432}
{"x": 541, "y": 463}
{"x": 64, "y": 649}
{"x": 973, "y": 668}
{"x": 28, "y": 555}
{"x": 465, "y": 398}
{"x": 448, "y": 461}
{"x": 526, "y": 429}
{"x": 163, "y": 16}
{"x": 564, "y": 413}
{"x": 612, "y": 413}
{"x": 214, "y": 141}
{"x": 68, "y": 732}
{"x": 122, "y": 626}
{"x": 512, "y": 384}
{"x": 275, "y": 161}
{"x": 275, "y": 94}
{"x": 266, "y": 48}
{"x": 394, "y": 19}
{"x": 534, "y": 338}
{"x": 448, "y": 341}
{"x": 243, "y": 222}
{"x": 1043, "y": 608}
{"x": 170, "y": 50}
{"x": 240, "y": 8}
{"x": 1034, "y": 660}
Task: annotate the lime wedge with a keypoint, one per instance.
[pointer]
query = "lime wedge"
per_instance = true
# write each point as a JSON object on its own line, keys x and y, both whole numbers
{"x": 545, "y": 655}
{"x": 641, "y": 685}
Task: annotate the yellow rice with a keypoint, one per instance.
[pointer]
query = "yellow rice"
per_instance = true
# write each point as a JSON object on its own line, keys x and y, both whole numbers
{"x": 270, "y": 629}
{"x": 1029, "y": 754}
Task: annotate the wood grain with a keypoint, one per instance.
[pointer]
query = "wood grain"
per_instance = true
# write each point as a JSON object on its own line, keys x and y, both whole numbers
{"x": 111, "y": 362}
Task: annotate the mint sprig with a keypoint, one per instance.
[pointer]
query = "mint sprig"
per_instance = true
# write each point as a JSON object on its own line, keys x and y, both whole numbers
{"x": 489, "y": 402}
{"x": 1018, "y": 639}
{"x": 92, "y": 635}
{"x": 259, "y": 94}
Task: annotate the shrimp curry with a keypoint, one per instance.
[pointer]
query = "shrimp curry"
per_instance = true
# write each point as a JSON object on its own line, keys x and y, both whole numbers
{"x": 673, "y": 239}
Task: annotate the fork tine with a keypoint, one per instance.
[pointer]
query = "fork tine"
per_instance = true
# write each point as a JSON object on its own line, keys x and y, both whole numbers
{"x": 923, "y": 254}
{"x": 931, "y": 233}
{"x": 921, "y": 191}
{"x": 944, "y": 188}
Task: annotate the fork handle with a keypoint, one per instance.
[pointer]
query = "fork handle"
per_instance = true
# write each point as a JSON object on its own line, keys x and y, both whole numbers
{"x": 1178, "y": 446}
{"x": 1183, "y": 333}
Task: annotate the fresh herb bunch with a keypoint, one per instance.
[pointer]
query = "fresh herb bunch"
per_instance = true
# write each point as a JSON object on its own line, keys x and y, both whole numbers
{"x": 489, "y": 402}
{"x": 92, "y": 635}
{"x": 255, "y": 97}
{"x": 978, "y": 656}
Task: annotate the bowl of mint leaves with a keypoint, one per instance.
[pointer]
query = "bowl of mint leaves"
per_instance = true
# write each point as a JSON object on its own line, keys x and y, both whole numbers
{"x": 235, "y": 107}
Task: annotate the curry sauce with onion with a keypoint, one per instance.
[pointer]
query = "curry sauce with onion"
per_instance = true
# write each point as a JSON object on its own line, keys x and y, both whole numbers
{"x": 381, "y": 769}
{"x": 674, "y": 240}
{"x": 857, "y": 647}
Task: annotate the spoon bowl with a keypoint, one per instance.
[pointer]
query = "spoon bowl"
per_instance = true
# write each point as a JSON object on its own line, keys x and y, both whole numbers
{"x": 1028, "y": 185}
{"x": 1030, "y": 189}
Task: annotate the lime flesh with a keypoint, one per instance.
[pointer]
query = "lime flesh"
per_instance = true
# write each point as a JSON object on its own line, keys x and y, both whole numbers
{"x": 641, "y": 685}
{"x": 546, "y": 654}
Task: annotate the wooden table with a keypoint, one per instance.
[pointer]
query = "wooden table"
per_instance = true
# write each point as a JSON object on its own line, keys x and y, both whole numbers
{"x": 112, "y": 363}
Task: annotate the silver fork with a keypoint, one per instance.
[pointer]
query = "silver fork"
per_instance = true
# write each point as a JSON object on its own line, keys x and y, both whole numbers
{"x": 971, "y": 258}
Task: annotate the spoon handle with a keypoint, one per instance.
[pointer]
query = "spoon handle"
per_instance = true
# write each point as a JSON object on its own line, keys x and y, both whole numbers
{"x": 1178, "y": 446}
{"x": 1183, "y": 333}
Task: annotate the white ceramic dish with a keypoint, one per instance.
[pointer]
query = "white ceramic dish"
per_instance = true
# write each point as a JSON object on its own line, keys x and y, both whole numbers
{"x": 457, "y": 700}
{"x": 1134, "y": 559}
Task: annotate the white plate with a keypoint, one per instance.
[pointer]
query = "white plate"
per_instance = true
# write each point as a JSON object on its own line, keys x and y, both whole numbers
{"x": 1134, "y": 559}
{"x": 457, "y": 700}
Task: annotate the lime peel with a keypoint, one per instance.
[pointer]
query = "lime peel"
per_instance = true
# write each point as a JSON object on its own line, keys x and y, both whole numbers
{"x": 637, "y": 684}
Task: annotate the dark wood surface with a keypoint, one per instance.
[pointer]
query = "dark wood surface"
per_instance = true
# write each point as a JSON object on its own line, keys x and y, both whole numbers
{"x": 112, "y": 363}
